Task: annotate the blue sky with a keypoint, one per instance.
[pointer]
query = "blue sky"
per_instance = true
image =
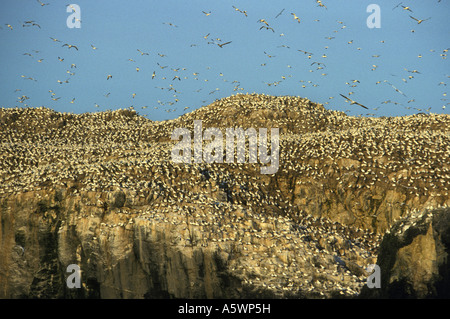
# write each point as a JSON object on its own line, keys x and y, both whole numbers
{"x": 263, "y": 61}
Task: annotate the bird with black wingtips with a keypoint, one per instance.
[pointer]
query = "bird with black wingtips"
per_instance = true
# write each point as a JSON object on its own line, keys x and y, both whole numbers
{"x": 70, "y": 46}
{"x": 419, "y": 21}
{"x": 279, "y": 13}
{"x": 295, "y": 17}
{"x": 353, "y": 102}
{"x": 43, "y": 4}
{"x": 143, "y": 53}
{"x": 222, "y": 44}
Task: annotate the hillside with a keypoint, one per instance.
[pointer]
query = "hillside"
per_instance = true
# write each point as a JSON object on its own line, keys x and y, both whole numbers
{"x": 100, "y": 190}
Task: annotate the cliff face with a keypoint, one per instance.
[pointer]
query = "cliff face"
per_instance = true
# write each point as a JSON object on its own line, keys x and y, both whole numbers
{"x": 100, "y": 191}
{"x": 138, "y": 253}
{"x": 413, "y": 258}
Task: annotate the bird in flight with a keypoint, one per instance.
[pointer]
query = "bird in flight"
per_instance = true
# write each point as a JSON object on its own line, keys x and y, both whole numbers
{"x": 109, "y": 76}
{"x": 305, "y": 52}
{"x": 353, "y": 102}
{"x": 279, "y": 13}
{"x": 407, "y": 8}
{"x": 93, "y": 47}
{"x": 72, "y": 7}
{"x": 9, "y": 26}
{"x": 30, "y": 23}
{"x": 318, "y": 63}
{"x": 418, "y": 20}
{"x": 320, "y": 4}
{"x": 263, "y": 21}
{"x": 55, "y": 40}
{"x": 70, "y": 46}
{"x": 43, "y": 4}
{"x": 296, "y": 18}
{"x": 142, "y": 53}
{"x": 397, "y": 6}
{"x": 267, "y": 28}
{"x": 221, "y": 45}
{"x": 171, "y": 24}
{"x": 241, "y": 11}
{"x": 207, "y": 13}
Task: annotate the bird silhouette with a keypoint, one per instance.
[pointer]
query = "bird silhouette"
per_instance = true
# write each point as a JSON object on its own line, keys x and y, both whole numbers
{"x": 352, "y": 101}
{"x": 70, "y": 46}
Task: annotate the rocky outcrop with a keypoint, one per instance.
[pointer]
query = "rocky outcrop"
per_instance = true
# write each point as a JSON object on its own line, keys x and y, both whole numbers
{"x": 414, "y": 257}
{"x": 139, "y": 251}
{"x": 100, "y": 191}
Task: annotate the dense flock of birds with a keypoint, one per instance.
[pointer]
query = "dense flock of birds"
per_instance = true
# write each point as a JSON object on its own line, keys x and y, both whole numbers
{"x": 168, "y": 76}
{"x": 313, "y": 226}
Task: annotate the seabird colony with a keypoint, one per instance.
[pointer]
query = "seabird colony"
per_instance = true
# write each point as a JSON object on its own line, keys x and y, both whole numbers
{"x": 311, "y": 228}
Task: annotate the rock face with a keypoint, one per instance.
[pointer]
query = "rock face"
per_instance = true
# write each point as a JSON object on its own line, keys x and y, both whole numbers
{"x": 414, "y": 258}
{"x": 100, "y": 191}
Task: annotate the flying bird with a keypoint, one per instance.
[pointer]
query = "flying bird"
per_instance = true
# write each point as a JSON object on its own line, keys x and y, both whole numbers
{"x": 320, "y": 4}
{"x": 171, "y": 24}
{"x": 70, "y": 46}
{"x": 397, "y": 6}
{"x": 142, "y": 53}
{"x": 296, "y": 18}
{"x": 419, "y": 21}
{"x": 279, "y": 13}
{"x": 407, "y": 8}
{"x": 241, "y": 11}
{"x": 43, "y": 4}
{"x": 109, "y": 76}
{"x": 263, "y": 21}
{"x": 353, "y": 102}
{"x": 72, "y": 7}
{"x": 267, "y": 28}
{"x": 221, "y": 45}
